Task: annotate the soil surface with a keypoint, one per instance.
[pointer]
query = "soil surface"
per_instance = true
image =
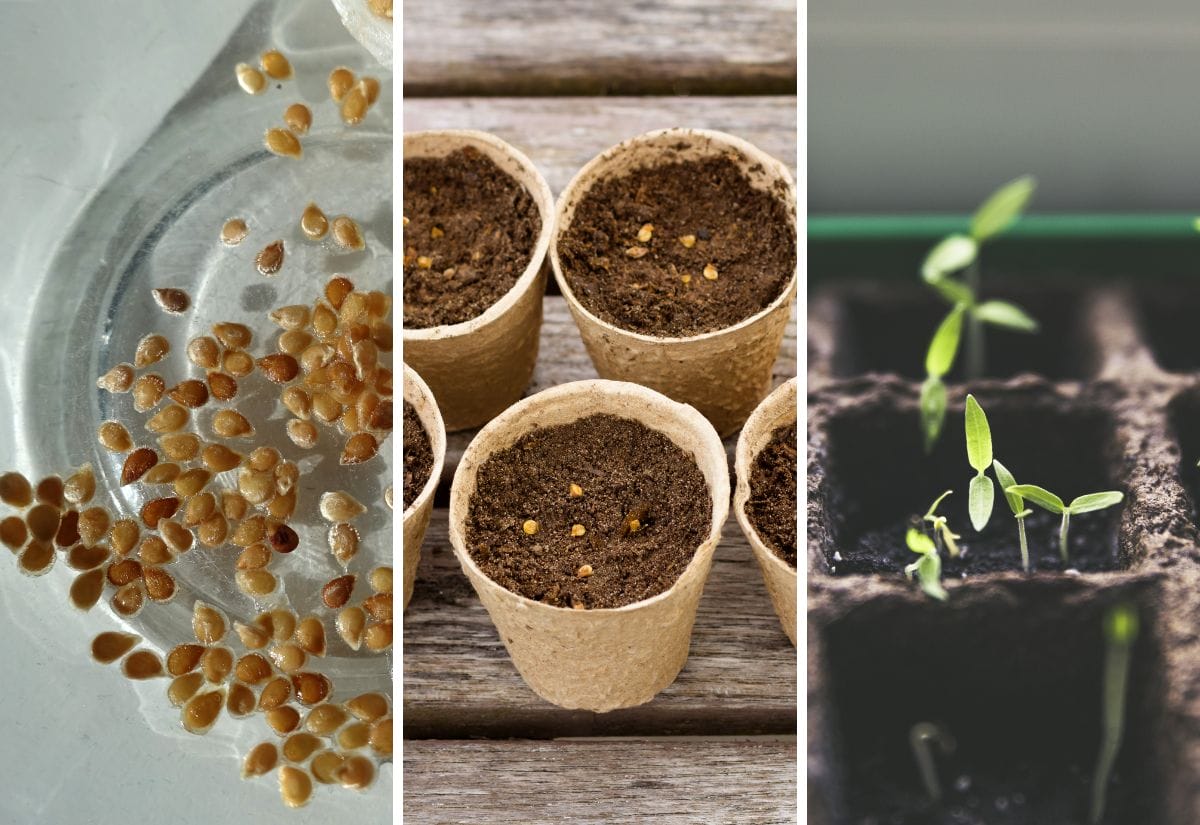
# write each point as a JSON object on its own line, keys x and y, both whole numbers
{"x": 645, "y": 507}
{"x": 470, "y": 235}
{"x": 657, "y": 286}
{"x": 418, "y": 455}
{"x": 772, "y": 504}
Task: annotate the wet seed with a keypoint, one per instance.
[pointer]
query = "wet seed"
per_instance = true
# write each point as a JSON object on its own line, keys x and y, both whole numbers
{"x": 219, "y": 459}
{"x": 368, "y": 706}
{"x": 336, "y": 592}
{"x": 162, "y": 473}
{"x": 256, "y": 583}
{"x": 82, "y": 557}
{"x": 283, "y": 539}
{"x": 13, "y": 533}
{"x": 370, "y": 89}
{"x": 37, "y": 558}
{"x": 303, "y": 434}
{"x": 300, "y": 746}
{"x": 287, "y": 475}
{"x": 50, "y": 491}
{"x": 202, "y": 711}
{"x": 252, "y": 636}
{"x": 283, "y": 143}
{"x": 261, "y": 760}
{"x": 378, "y": 637}
{"x": 343, "y": 542}
{"x": 154, "y": 551}
{"x": 204, "y": 352}
{"x": 190, "y": 393}
{"x": 282, "y": 624}
{"x": 340, "y": 506}
{"x": 128, "y": 600}
{"x": 111, "y": 645}
{"x": 351, "y": 622}
{"x": 294, "y": 342}
{"x": 283, "y": 719}
{"x": 93, "y": 523}
{"x": 234, "y": 505}
{"x": 276, "y": 65}
{"x": 137, "y": 464}
{"x": 216, "y": 664}
{"x": 253, "y": 669}
{"x": 279, "y": 368}
{"x": 142, "y": 664}
{"x": 355, "y": 735}
{"x": 68, "y": 529}
{"x": 173, "y": 301}
{"x": 160, "y": 585}
{"x": 288, "y": 657}
{"x": 177, "y": 537}
{"x": 325, "y": 766}
{"x": 359, "y": 448}
{"x": 117, "y": 379}
{"x": 184, "y": 658}
{"x": 190, "y": 482}
{"x": 183, "y": 688}
{"x": 123, "y": 536}
{"x": 346, "y": 233}
{"x": 223, "y": 387}
{"x": 233, "y": 335}
{"x": 231, "y": 424}
{"x": 157, "y": 509}
{"x": 77, "y": 489}
{"x": 43, "y": 521}
{"x": 15, "y": 490}
{"x": 298, "y": 118}
{"x": 388, "y": 498}
{"x": 86, "y": 589}
{"x": 241, "y": 700}
{"x": 379, "y": 606}
{"x": 381, "y": 580}
{"x": 179, "y": 446}
{"x": 124, "y": 571}
{"x": 208, "y": 624}
{"x": 295, "y": 787}
{"x": 254, "y": 557}
{"x": 381, "y": 737}
{"x": 250, "y": 531}
{"x": 250, "y": 79}
{"x": 150, "y": 350}
{"x": 276, "y": 692}
{"x": 310, "y": 636}
{"x": 354, "y": 106}
{"x": 340, "y": 81}
{"x": 311, "y": 688}
{"x": 169, "y": 419}
{"x": 324, "y": 719}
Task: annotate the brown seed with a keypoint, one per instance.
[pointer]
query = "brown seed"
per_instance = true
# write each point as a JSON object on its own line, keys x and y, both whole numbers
{"x": 82, "y": 557}
{"x": 343, "y": 542}
{"x": 325, "y": 766}
{"x": 310, "y": 635}
{"x": 250, "y": 79}
{"x": 584, "y": 571}
{"x": 254, "y": 557}
{"x": 250, "y": 531}
{"x": 252, "y": 668}
{"x": 117, "y": 379}
{"x": 179, "y": 446}
{"x": 359, "y": 448}
{"x": 287, "y": 476}
{"x": 296, "y": 316}
{"x": 142, "y": 664}
{"x": 340, "y": 506}
{"x": 298, "y": 118}
{"x": 295, "y": 787}
{"x": 636, "y": 251}
{"x": 303, "y": 434}
{"x": 311, "y": 688}
{"x": 275, "y": 65}
{"x": 325, "y": 718}
{"x": 355, "y": 735}
{"x": 282, "y": 624}
{"x": 92, "y": 524}
{"x": 336, "y": 592}
{"x": 192, "y": 481}
{"x": 111, "y": 645}
{"x": 15, "y": 490}
{"x": 86, "y": 589}
{"x": 340, "y": 81}
{"x": 379, "y": 606}
{"x": 160, "y": 585}
{"x": 381, "y": 580}
{"x": 79, "y": 487}
{"x": 238, "y": 363}
{"x": 370, "y": 89}
{"x": 256, "y": 583}
{"x": 163, "y": 473}
{"x": 213, "y": 530}
{"x": 123, "y": 536}
{"x": 283, "y": 505}
{"x": 157, "y": 509}
{"x": 294, "y": 341}
{"x": 124, "y": 571}
{"x": 190, "y": 393}
{"x": 354, "y": 106}
{"x": 202, "y": 711}
{"x": 154, "y": 551}
{"x": 283, "y": 143}
{"x": 261, "y": 760}
{"x": 231, "y": 424}
{"x": 50, "y": 491}
{"x": 219, "y": 459}
{"x": 300, "y": 746}
{"x": 68, "y": 529}
{"x": 43, "y": 521}
{"x": 297, "y": 401}
{"x": 368, "y": 706}
{"x": 184, "y": 687}
{"x": 137, "y": 464}
{"x": 223, "y": 387}
{"x": 346, "y": 233}
{"x": 151, "y": 350}
{"x": 378, "y": 637}
{"x": 279, "y": 368}
{"x": 252, "y": 636}
{"x": 173, "y": 301}
{"x": 351, "y": 622}
{"x": 276, "y": 692}
{"x": 381, "y": 737}
{"x": 241, "y": 700}
{"x": 128, "y": 600}
{"x": 208, "y": 624}
{"x": 216, "y": 664}
{"x": 283, "y": 719}
{"x": 204, "y": 352}
{"x": 14, "y": 533}
{"x": 283, "y": 539}
{"x": 318, "y": 355}
{"x": 184, "y": 658}
{"x": 288, "y": 657}
{"x": 233, "y": 335}
{"x": 234, "y": 505}
{"x": 37, "y": 558}
{"x": 178, "y": 537}
{"x": 169, "y": 419}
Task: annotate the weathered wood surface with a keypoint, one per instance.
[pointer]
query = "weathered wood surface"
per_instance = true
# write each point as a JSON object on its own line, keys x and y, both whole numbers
{"x": 667, "y": 782}
{"x": 560, "y": 135}
{"x": 459, "y": 681}
{"x": 563, "y": 47}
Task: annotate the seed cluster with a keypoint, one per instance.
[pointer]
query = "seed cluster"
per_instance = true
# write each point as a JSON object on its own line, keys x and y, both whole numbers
{"x": 209, "y": 482}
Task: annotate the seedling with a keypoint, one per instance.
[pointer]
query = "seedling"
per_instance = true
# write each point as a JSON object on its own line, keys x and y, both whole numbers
{"x": 1045, "y": 499}
{"x": 981, "y": 495}
{"x": 1120, "y": 633}
{"x": 942, "y": 534}
{"x": 928, "y": 568}
{"x": 1017, "y": 505}
{"x": 920, "y": 737}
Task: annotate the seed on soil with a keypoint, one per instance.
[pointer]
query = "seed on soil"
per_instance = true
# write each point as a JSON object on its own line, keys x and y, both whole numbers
{"x": 184, "y": 658}
{"x": 310, "y": 636}
{"x": 183, "y": 688}
{"x": 688, "y": 241}
{"x": 300, "y": 746}
{"x": 151, "y": 350}
{"x": 584, "y": 571}
{"x": 162, "y": 473}
{"x": 171, "y": 300}
{"x": 241, "y": 700}
{"x": 250, "y": 79}
{"x": 208, "y": 624}
{"x": 252, "y": 636}
{"x": 252, "y": 668}
{"x": 117, "y": 379}
{"x": 645, "y": 233}
{"x": 203, "y": 352}
{"x": 530, "y": 527}
{"x": 378, "y": 637}
{"x": 283, "y": 143}
{"x": 325, "y": 718}
{"x": 154, "y": 551}
{"x": 15, "y": 490}
{"x": 314, "y": 225}
{"x": 578, "y": 530}
{"x": 279, "y": 368}
{"x": 190, "y": 393}
{"x": 340, "y": 506}
{"x": 336, "y": 592}
{"x": 311, "y": 688}
{"x": 231, "y": 424}
{"x": 169, "y": 419}
{"x": 351, "y": 622}
{"x": 13, "y": 533}
{"x": 261, "y": 760}
{"x": 381, "y": 737}
{"x": 179, "y": 446}
{"x": 111, "y": 645}
{"x": 275, "y": 65}
{"x": 343, "y": 542}
{"x": 354, "y": 106}
{"x": 83, "y": 557}
{"x": 43, "y": 521}
{"x": 142, "y": 664}
{"x": 219, "y": 459}
{"x": 92, "y": 524}
{"x": 128, "y": 600}
{"x": 202, "y": 711}
{"x": 160, "y": 585}
{"x": 148, "y": 391}
{"x": 86, "y": 589}
{"x": 123, "y": 536}
{"x": 346, "y": 233}
{"x": 340, "y": 81}
{"x": 288, "y": 657}
{"x": 359, "y": 448}
{"x": 576, "y": 491}
{"x": 37, "y": 558}
{"x": 137, "y": 464}
{"x": 425, "y": 262}
{"x": 283, "y": 719}
{"x": 216, "y": 664}
{"x": 276, "y": 692}
{"x": 79, "y": 487}
{"x": 295, "y": 787}
{"x": 636, "y": 252}
{"x": 710, "y": 272}
{"x": 256, "y": 583}
{"x": 157, "y": 509}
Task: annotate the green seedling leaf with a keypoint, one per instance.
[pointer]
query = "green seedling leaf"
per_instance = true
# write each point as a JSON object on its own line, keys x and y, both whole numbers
{"x": 1015, "y": 502}
{"x": 979, "y": 436}
{"x": 929, "y": 573}
{"x": 1095, "y": 501}
{"x": 933, "y": 409}
{"x": 950, "y": 255}
{"x": 944, "y": 345}
{"x": 1042, "y": 498}
{"x": 1004, "y": 314}
{"x": 918, "y": 542}
{"x": 932, "y": 511}
{"x": 955, "y": 292}
{"x": 1004, "y": 206}
{"x": 981, "y": 496}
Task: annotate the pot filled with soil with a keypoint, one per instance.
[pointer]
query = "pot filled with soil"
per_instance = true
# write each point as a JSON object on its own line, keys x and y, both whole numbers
{"x": 586, "y": 517}
{"x": 478, "y": 217}
{"x": 424, "y": 452}
{"x": 765, "y": 499}
{"x": 676, "y": 252}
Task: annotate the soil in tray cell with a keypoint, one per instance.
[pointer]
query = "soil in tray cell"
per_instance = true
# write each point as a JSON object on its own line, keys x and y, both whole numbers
{"x": 881, "y": 479}
{"x": 418, "y": 455}
{"x": 886, "y": 328}
{"x": 772, "y": 504}
{"x": 1017, "y": 686}
{"x": 1168, "y": 315}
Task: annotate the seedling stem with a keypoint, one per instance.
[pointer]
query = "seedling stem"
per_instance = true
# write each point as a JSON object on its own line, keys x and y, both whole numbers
{"x": 1086, "y": 503}
{"x": 920, "y": 737}
{"x": 1120, "y": 632}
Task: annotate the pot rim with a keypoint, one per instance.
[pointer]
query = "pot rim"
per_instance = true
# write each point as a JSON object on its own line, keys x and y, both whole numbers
{"x": 778, "y": 408}
{"x": 417, "y": 393}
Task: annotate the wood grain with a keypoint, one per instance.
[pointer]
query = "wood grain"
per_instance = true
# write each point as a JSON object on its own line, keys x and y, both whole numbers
{"x": 667, "y": 782}
{"x": 460, "y": 683}
{"x": 560, "y": 135}
{"x": 562, "y": 47}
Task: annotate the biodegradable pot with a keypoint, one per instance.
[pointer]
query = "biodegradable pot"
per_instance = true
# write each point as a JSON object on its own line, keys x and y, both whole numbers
{"x": 481, "y": 366}
{"x": 601, "y": 659}
{"x": 778, "y": 409}
{"x": 416, "y": 517}
{"x": 725, "y": 373}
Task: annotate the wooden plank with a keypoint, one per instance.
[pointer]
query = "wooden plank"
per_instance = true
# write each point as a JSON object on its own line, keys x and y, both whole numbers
{"x": 518, "y": 47}
{"x": 459, "y": 682}
{"x": 668, "y": 782}
{"x": 560, "y": 135}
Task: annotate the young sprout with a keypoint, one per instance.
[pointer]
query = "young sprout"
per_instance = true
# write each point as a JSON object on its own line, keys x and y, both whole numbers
{"x": 938, "y": 361}
{"x": 1120, "y": 632}
{"x": 1083, "y": 504}
{"x": 1017, "y": 505}
{"x": 928, "y": 568}
{"x": 920, "y": 737}
{"x": 981, "y": 495}
{"x": 941, "y": 530}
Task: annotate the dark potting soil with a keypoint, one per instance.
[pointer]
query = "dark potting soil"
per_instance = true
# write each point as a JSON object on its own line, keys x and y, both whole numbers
{"x": 418, "y": 455}
{"x": 772, "y": 504}
{"x": 658, "y": 286}
{"x": 645, "y": 507}
{"x": 470, "y": 235}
